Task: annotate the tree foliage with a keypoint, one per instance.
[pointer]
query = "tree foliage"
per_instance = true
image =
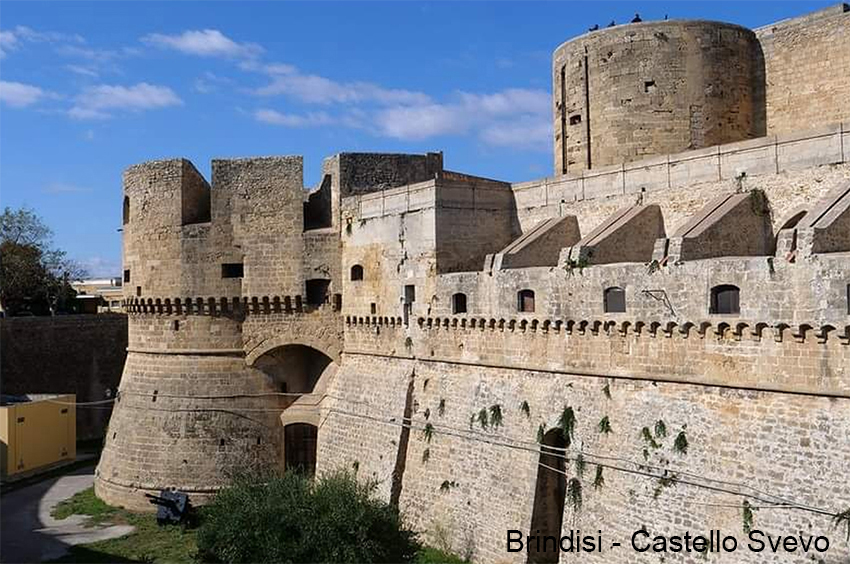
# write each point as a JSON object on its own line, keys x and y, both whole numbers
{"x": 290, "y": 518}
{"x": 34, "y": 277}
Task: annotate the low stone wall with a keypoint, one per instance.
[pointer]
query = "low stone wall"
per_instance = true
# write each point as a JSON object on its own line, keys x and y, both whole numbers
{"x": 73, "y": 354}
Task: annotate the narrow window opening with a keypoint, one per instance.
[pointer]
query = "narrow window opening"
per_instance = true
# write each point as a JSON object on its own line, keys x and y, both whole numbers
{"x": 725, "y": 299}
{"x": 317, "y": 291}
{"x": 357, "y": 272}
{"x": 459, "y": 303}
{"x": 525, "y": 301}
{"x": 138, "y": 290}
{"x": 409, "y": 298}
{"x": 374, "y": 308}
{"x": 127, "y": 275}
{"x": 575, "y": 120}
{"x": 232, "y": 270}
{"x": 126, "y": 214}
{"x": 221, "y": 442}
{"x": 649, "y": 86}
{"x": 614, "y": 300}
{"x": 175, "y": 325}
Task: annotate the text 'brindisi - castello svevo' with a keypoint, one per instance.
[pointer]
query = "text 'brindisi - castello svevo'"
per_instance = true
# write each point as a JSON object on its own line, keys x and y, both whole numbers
{"x": 632, "y": 344}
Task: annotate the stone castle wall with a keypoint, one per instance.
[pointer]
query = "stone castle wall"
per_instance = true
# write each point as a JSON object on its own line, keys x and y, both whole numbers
{"x": 806, "y": 64}
{"x": 789, "y": 445}
{"x": 74, "y": 354}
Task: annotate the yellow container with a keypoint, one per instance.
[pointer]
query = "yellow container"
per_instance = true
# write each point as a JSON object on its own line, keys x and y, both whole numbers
{"x": 37, "y": 434}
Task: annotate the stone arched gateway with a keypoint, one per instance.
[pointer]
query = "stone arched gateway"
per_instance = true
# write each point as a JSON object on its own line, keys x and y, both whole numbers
{"x": 295, "y": 368}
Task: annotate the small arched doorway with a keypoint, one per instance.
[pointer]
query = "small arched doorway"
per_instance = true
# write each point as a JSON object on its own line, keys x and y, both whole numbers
{"x": 550, "y": 491}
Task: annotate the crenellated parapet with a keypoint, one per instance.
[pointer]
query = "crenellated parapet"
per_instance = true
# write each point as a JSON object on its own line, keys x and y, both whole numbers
{"x": 733, "y": 352}
{"x": 237, "y": 306}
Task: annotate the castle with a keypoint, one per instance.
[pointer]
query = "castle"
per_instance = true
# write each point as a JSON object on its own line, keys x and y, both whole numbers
{"x": 666, "y": 317}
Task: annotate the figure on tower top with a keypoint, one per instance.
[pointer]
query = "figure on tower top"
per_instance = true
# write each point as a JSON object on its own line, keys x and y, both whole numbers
{"x": 636, "y": 19}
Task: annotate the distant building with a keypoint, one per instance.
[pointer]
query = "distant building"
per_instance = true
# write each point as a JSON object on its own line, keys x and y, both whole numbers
{"x": 99, "y": 295}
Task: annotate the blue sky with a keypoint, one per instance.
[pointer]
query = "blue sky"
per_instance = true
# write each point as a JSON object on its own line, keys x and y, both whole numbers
{"x": 88, "y": 88}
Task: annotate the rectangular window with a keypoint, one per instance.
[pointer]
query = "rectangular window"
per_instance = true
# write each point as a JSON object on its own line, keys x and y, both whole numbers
{"x": 317, "y": 291}
{"x": 127, "y": 275}
{"x": 232, "y": 270}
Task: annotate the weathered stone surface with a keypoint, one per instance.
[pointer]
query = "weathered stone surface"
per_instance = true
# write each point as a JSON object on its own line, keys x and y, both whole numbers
{"x": 394, "y": 291}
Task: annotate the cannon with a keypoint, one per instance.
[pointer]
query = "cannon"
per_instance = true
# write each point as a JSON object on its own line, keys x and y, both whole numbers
{"x": 173, "y": 506}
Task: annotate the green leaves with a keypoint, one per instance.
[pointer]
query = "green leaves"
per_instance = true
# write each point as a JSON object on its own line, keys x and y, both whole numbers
{"x": 567, "y": 423}
{"x": 604, "y": 425}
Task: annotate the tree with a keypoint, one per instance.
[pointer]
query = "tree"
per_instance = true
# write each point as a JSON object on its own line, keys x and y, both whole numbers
{"x": 34, "y": 277}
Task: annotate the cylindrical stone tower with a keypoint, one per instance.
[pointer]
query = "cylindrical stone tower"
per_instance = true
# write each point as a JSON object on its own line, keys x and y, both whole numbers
{"x": 631, "y": 91}
{"x": 220, "y": 337}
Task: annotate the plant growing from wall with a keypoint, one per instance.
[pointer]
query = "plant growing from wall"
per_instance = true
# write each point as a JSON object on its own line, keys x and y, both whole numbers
{"x": 496, "y": 415}
{"x": 604, "y": 425}
{"x": 441, "y": 409}
{"x": 483, "y": 419}
{"x": 606, "y": 390}
{"x": 447, "y": 485}
{"x": 571, "y": 265}
{"x": 574, "y": 494}
{"x": 427, "y": 413}
{"x": 660, "y": 429}
{"x": 648, "y": 439}
{"x": 598, "y": 479}
{"x": 747, "y": 516}
{"x": 664, "y": 481}
{"x": 581, "y": 465}
{"x": 759, "y": 204}
{"x": 408, "y": 342}
{"x": 567, "y": 423}
{"x": 525, "y": 409}
{"x": 843, "y": 518}
{"x": 428, "y": 432}
{"x": 680, "y": 445}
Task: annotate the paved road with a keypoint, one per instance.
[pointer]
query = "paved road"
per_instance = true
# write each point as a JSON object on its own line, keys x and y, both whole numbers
{"x": 29, "y": 534}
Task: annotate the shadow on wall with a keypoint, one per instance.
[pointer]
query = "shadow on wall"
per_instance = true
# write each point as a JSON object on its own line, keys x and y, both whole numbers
{"x": 69, "y": 354}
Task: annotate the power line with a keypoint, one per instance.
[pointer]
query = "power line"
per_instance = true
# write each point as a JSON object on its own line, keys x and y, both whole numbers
{"x": 557, "y": 452}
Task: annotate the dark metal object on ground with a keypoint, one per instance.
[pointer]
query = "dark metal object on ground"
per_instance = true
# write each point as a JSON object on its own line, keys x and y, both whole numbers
{"x": 173, "y": 506}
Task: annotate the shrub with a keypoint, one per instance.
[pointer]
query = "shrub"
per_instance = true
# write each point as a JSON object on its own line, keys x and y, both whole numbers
{"x": 291, "y": 518}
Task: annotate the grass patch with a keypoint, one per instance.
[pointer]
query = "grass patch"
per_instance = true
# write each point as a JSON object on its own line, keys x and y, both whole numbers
{"x": 148, "y": 543}
{"x": 85, "y": 503}
{"x": 429, "y": 555}
{"x": 153, "y": 543}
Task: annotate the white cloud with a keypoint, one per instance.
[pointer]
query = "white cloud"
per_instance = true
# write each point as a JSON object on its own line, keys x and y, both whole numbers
{"x": 204, "y": 43}
{"x": 210, "y": 82}
{"x": 315, "y": 89}
{"x": 524, "y": 133}
{"x": 421, "y": 122}
{"x": 82, "y": 70}
{"x": 97, "y": 101}
{"x": 8, "y": 42}
{"x": 19, "y": 95}
{"x": 311, "y": 119}
{"x": 515, "y": 117}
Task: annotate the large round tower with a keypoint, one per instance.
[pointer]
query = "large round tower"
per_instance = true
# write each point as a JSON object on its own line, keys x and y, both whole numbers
{"x": 627, "y": 92}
